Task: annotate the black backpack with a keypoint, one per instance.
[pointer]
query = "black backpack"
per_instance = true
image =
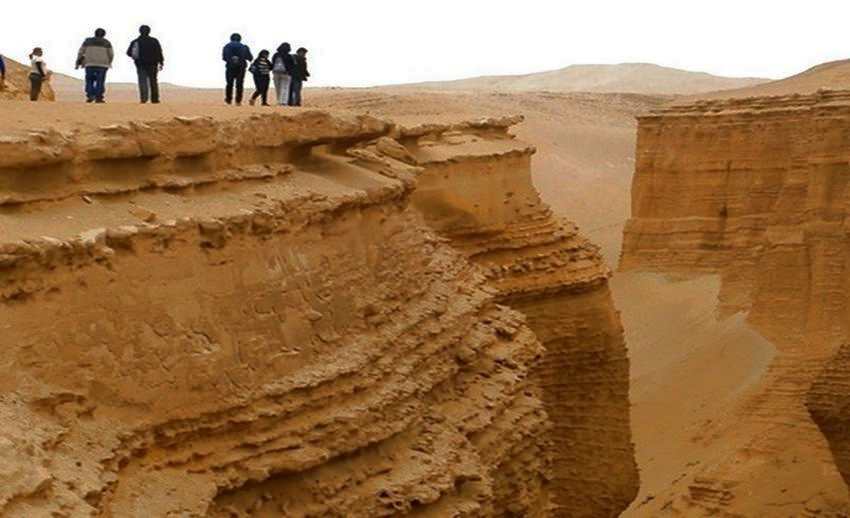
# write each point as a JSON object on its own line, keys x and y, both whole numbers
{"x": 237, "y": 59}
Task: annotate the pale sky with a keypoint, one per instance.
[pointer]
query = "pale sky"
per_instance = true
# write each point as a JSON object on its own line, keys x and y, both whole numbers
{"x": 369, "y": 42}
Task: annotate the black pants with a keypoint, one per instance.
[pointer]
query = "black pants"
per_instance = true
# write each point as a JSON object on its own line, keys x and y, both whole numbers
{"x": 35, "y": 86}
{"x": 295, "y": 92}
{"x": 235, "y": 77}
{"x": 262, "y": 82}
{"x": 148, "y": 82}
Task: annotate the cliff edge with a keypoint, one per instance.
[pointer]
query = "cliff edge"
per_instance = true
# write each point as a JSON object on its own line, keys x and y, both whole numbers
{"x": 240, "y": 316}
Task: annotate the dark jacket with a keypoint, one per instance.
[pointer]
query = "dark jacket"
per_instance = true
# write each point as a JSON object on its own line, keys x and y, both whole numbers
{"x": 146, "y": 51}
{"x": 288, "y": 61}
{"x": 236, "y": 54}
{"x": 301, "y": 72}
{"x": 2, "y": 67}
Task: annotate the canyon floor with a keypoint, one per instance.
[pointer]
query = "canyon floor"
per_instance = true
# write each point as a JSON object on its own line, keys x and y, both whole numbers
{"x": 690, "y": 367}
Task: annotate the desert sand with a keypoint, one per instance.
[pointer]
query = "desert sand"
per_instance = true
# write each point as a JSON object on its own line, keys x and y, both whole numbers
{"x": 638, "y": 78}
{"x": 696, "y": 367}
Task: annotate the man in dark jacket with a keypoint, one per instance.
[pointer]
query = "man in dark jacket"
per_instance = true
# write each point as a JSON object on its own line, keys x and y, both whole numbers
{"x": 300, "y": 74}
{"x": 146, "y": 52}
{"x": 96, "y": 57}
{"x": 236, "y": 56}
{"x": 2, "y": 73}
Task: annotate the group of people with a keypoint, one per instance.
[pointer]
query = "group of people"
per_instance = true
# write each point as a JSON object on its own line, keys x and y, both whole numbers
{"x": 289, "y": 72}
{"x": 96, "y": 55}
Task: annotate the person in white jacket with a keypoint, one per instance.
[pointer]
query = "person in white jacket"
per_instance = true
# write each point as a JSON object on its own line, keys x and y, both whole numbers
{"x": 283, "y": 68}
{"x": 38, "y": 73}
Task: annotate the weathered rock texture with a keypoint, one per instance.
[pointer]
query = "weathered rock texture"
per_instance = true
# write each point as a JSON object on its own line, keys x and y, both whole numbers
{"x": 757, "y": 190}
{"x": 232, "y": 318}
{"x": 829, "y": 403}
{"x": 17, "y": 86}
{"x": 477, "y": 191}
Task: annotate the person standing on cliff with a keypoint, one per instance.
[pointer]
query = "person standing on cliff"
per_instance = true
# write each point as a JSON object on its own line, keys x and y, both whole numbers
{"x": 236, "y": 56}
{"x": 38, "y": 73}
{"x": 283, "y": 68}
{"x": 146, "y": 52}
{"x": 300, "y": 74}
{"x": 2, "y": 73}
{"x": 96, "y": 57}
{"x": 261, "y": 70}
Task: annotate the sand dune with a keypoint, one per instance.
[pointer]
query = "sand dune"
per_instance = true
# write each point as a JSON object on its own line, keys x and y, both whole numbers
{"x": 643, "y": 78}
{"x": 834, "y": 75}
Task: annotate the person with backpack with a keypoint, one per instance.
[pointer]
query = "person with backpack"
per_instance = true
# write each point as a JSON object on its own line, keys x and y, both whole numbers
{"x": 300, "y": 74}
{"x": 38, "y": 73}
{"x": 236, "y": 56}
{"x": 96, "y": 57}
{"x": 261, "y": 70}
{"x": 283, "y": 67}
{"x": 146, "y": 52}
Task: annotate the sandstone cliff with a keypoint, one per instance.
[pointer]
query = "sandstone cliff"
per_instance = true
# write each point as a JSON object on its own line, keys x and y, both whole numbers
{"x": 755, "y": 189}
{"x": 229, "y": 317}
{"x": 476, "y": 190}
{"x": 17, "y": 85}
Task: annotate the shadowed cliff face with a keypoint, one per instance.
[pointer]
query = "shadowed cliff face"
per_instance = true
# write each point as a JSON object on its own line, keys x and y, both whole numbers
{"x": 214, "y": 317}
{"x": 756, "y": 190}
{"x": 476, "y": 190}
{"x": 17, "y": 85}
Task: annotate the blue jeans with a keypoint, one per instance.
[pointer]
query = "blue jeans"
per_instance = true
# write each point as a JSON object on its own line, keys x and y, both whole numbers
{"x": 95, "y": 83}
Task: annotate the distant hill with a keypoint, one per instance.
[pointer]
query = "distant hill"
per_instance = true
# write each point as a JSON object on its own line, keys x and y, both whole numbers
{"x": 834, "y": 75}
{"x": 642, "y": 78}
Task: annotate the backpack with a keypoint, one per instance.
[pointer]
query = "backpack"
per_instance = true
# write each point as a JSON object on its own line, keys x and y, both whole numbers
{"x": 237, "y": 57}
{"x": 279, "y": 65}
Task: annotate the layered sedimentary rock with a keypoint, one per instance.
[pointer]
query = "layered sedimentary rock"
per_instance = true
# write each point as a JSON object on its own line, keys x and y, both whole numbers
{"x": 217, "y": 319}
{"x": 17, "y": 85}
{"x": 757, "y": 190}
{"x": 247, "y": 317}
{"x": 476, "y": 190}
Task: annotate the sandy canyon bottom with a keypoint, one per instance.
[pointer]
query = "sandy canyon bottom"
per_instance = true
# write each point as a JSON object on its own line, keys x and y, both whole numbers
{"x": 695, "y": 372}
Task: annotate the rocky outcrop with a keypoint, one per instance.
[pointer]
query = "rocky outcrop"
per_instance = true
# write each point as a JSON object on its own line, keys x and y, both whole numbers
{"x": 249, "y": 317}
{"x": 17, "y": 85}
{"x": 756, "y": 190}
{"x": 476, "y": 190}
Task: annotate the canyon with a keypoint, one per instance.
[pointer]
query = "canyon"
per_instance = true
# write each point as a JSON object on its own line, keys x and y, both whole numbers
{"x": 754, "y": 189}
{"x": 311, "y": 314}
{"x": 383, "y": 307}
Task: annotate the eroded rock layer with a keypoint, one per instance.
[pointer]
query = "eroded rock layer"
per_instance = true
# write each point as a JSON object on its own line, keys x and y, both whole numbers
{"x": 205, "y": 318}
{"x": 17, "y": 85}
{"x": 757, "y": 190}
{"x": 476, "y": 190}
